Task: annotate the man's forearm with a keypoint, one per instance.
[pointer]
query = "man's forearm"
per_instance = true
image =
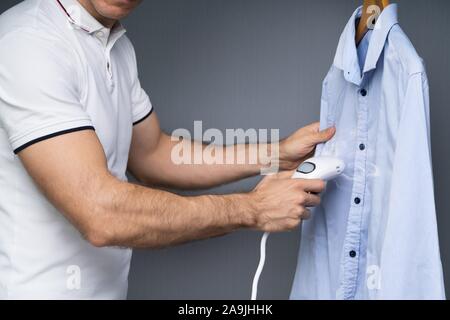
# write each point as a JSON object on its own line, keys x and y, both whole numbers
{"x": 138, "y": 217}
{"x": 207, "y": 165}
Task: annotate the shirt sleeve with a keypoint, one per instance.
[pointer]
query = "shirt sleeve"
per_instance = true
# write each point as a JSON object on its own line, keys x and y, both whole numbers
{"x": 39, "y": 89}
{"x": 411, "y": 228}
{"x": 141, "y": 104}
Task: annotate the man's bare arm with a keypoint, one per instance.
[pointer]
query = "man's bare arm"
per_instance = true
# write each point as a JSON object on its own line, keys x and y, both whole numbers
{"x": 72, "y": 172}
{"x": 152, "y": 164}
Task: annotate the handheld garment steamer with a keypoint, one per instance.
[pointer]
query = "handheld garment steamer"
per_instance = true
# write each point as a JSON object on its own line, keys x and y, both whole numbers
{"x": 320, "y": 168}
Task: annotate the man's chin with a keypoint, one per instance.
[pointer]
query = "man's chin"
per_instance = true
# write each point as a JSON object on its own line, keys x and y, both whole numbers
{"x": 116, "y": 10}
{"x": 126, "y": 5}
{"x": 115, "y": 14}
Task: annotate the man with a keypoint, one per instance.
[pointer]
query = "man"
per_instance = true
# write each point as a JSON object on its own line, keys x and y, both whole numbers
{"x": 73, "y": 112}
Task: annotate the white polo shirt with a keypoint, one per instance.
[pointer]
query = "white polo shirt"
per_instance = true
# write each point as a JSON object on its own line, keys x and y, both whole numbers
{"x": 60, "y": 71}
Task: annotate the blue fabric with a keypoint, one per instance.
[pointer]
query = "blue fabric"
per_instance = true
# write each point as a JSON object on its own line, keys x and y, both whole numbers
{"x": 363, "y": 48}
{"x": 375, "y": 234}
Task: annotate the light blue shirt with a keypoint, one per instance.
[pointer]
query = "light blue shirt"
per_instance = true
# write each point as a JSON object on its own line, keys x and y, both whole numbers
{"x": 375, "y": 234}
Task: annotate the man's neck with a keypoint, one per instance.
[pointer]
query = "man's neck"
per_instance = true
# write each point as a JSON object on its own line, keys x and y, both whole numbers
{"x": 108, "y": 23}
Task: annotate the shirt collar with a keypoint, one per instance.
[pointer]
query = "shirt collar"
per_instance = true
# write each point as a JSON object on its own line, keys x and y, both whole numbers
{"x": 82, "y": 19}
{"x": 346, "y": 57}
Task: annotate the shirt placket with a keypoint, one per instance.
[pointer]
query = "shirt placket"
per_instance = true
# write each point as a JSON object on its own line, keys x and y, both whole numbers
{"x": 352, "y": 243}
{"x": 106, "y": 47}
{"x": 109, "y": 66}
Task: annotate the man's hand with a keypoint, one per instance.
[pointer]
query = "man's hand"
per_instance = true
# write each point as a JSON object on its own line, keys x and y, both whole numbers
{"x": 301, "y": 145}
{"x": 280, "y": 203}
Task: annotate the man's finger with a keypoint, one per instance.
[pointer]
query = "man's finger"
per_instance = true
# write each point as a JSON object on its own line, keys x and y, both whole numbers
{"x": 314, "y": 127}
{"x": 313, "y": 186}
{"x": 324, "y": 136}
{"x": 306, "y": 215}
{"x": 312, "y": 200}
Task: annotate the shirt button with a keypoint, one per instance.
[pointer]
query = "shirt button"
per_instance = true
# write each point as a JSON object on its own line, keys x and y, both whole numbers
{"x": 363, "y": 92}
{"x": 352, "y": 254}
{"x": 362, "y": 147}
{"x": 357, "y": 200}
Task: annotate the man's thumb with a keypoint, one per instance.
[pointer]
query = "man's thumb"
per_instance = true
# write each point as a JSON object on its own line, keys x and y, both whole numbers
{"x": 325, "y": 135}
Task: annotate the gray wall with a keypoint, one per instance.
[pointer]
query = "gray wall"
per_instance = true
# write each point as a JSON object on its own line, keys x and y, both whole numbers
{"x": 259, "y": 64}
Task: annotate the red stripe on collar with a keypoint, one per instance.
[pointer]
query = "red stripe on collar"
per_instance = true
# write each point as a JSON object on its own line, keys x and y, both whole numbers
{"x": 70, "y": 18}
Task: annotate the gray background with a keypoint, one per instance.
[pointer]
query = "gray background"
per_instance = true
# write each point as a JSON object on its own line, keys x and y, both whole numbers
{"x": 259, "y": 64}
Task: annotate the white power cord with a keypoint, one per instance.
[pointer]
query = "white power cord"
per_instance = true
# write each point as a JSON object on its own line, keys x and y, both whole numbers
{"x": 324, "y": 168}
{"x": 262, "y": 261}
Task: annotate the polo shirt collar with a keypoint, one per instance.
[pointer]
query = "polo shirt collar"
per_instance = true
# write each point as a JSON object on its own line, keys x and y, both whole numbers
{"x": 82, "y": 19}
{"x": 346, "y": 57}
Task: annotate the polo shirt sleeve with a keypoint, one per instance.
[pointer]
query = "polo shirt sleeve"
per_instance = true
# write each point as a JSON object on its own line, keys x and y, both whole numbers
{"x": 141, "y": 104}
{"x": 142, "y": 107}
{"x": 39, "y": 89}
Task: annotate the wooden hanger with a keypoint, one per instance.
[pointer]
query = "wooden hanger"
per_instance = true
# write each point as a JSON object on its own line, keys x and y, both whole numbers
{"x": 368, "y": 16}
